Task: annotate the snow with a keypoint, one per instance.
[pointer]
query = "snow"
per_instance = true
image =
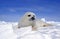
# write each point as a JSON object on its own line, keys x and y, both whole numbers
{"x": 8, "y": 31}
{"x": 43, "y": 19}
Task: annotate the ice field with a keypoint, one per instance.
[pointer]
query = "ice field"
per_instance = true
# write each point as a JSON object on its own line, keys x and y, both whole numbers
{"x": 8, "y": 31}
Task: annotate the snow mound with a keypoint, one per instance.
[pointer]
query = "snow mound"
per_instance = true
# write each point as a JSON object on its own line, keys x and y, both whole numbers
{"x": 8, "y": 31}
{"x": 52, "y": 32}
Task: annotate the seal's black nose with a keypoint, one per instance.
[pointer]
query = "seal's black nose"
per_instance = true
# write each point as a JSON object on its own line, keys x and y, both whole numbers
{"x": 33, "y": 18}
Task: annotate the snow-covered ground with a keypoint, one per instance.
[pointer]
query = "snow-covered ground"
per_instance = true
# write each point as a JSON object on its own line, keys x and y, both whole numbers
{"x": 7, "y": 31}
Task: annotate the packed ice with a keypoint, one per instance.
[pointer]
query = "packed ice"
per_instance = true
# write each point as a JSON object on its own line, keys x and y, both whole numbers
{"x": 8, "y": 31}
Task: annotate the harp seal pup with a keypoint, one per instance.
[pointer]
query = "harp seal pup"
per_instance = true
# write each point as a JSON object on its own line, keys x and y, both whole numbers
{"x": 29, "y": 19}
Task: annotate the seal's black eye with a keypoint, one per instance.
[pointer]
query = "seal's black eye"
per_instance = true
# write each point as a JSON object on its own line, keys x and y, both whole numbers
{"x": 29, "y": 15}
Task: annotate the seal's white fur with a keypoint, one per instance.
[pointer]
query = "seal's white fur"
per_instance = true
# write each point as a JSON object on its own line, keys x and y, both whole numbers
{"x": 24, "y": 22}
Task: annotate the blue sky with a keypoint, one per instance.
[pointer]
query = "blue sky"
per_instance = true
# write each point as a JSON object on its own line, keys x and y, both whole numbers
{"x": 12, "y": 10}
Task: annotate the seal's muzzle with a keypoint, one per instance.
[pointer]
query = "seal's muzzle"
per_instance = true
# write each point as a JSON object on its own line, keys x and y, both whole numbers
{"x": 33, "y": 18}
